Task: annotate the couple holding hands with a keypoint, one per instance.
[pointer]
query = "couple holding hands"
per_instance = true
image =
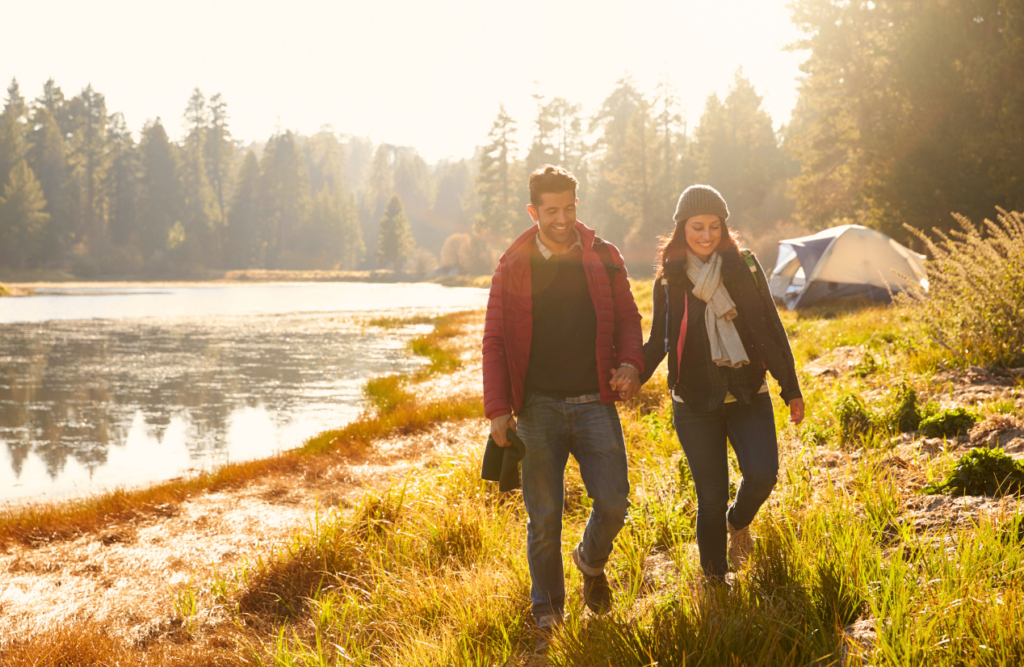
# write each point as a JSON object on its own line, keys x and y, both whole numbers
{"x": 562, "y": 342}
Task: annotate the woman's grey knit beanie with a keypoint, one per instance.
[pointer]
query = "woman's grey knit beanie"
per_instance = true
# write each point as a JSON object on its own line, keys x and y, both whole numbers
{"x": 701, "y": 200}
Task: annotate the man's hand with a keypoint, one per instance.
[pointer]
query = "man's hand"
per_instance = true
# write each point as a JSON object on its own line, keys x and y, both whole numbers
{"x": 498, "y": 427}
{"x": 796, "y": 410}
{"x": 626, "y": 381}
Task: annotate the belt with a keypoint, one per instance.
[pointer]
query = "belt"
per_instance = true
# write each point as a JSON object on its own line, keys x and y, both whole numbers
{"x": 585, "y": 398}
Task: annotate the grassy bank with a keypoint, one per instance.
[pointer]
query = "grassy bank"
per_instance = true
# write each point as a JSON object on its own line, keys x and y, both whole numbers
{"x": 36, "y": 523}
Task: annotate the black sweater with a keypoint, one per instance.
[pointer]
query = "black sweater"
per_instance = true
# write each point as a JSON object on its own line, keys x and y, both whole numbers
{"x": 757, "y": 322}
{"x": 563, "y": 352}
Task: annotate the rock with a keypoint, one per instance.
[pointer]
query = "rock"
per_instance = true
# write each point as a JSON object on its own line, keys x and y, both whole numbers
{"x": 996, "y": 431}
{"x": 839, "y": 361}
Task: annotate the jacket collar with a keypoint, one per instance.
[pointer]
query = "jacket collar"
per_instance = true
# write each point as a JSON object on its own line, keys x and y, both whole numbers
{"x": 521, "y": 246}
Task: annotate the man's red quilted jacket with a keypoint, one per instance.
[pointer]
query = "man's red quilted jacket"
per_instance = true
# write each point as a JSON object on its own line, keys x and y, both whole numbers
{"x": 509, "y": 326}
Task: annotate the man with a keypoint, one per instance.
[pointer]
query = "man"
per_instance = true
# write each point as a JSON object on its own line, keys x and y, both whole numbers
{"x": 562, "y": 342}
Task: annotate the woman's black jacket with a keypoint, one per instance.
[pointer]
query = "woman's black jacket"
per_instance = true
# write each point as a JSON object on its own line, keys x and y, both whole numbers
{"x": 757, "y": 322}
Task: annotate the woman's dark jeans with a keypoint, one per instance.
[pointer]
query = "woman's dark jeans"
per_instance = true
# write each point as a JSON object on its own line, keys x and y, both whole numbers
{"x": 751, "y": 430}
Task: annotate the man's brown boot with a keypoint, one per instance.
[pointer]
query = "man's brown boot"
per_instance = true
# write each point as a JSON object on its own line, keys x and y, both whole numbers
{"x": 597, "y": 593}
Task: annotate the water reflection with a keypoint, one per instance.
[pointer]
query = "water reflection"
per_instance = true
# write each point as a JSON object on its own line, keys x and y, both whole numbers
{"x": 86, "y": 405}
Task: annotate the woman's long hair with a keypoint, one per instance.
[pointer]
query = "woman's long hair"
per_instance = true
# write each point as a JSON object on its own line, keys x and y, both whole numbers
{"x": 673, "y": 247}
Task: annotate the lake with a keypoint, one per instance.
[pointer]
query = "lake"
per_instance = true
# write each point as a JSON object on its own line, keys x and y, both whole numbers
{"x": 103, "y": 387}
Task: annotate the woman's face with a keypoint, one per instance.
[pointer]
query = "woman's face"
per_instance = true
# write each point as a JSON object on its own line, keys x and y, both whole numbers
{"x": 703, "y": 234}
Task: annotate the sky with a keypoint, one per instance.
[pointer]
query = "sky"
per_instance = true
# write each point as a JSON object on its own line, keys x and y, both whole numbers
{"x": 430, "y": 75}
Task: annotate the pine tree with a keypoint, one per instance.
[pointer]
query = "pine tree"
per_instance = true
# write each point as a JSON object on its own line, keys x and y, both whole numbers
{"x": 88, "y": 159}
{"x": 396, "y": 241}
{"x": 612, "y": 122}
{"x": 47, "y": 157}
{"x": 335, "y": 233}
{"x": 12, "y": 131}
{"x": 285, "y": 200}
{"x": 23, "y": 217}
{"x": 353, "y": 248}
{"x": 245, "y": 241}
{"x": 325, "y": 157}
{"x": 737, "y": 152}
{"x": 334, "y": 239}
{"x": 558, "y": 138}
{"x": 160, "y": 197}
{"x": 201, "y": 217}
{"x": 635, "y": 179}
{"x": 498, "y": 182}
{"x": 220, "y": 152}
{"x": 380, "y": 185}
{"x": 122, "y": 184}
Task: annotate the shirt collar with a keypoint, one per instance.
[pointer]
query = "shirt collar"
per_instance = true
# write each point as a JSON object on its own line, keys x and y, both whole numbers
{"x": 548, "y": 253}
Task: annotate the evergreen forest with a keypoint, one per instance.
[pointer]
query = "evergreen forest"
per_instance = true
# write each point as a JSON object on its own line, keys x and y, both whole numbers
{"x": 907, "y": 112}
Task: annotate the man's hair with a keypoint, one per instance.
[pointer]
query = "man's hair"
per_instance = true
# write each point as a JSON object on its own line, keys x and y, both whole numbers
{"x": 549, "y": 178}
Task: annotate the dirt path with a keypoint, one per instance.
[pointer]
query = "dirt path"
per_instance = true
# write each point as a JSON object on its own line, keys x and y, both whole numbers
{"x": 127, "y": 577}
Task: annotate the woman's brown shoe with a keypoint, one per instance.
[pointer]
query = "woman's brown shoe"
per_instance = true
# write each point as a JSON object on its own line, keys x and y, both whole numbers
{"x": 741, "y": 545}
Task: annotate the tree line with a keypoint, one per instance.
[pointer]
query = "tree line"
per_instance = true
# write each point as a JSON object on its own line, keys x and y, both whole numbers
{"x": 79, "y": 191}
{"x": 905, "y": 114}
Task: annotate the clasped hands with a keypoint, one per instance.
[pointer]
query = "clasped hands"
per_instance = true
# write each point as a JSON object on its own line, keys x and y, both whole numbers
{"x": 626, "y": 381}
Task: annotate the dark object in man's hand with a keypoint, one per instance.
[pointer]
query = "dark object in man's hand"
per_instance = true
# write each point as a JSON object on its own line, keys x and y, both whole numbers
{"x": 501, "y": 464}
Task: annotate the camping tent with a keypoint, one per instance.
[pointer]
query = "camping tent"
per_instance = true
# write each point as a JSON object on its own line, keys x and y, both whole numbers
{"x": 845, "y": 261}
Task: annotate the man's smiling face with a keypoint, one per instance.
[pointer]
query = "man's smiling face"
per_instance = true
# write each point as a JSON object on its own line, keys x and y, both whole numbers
{"x": 556, "y": 215}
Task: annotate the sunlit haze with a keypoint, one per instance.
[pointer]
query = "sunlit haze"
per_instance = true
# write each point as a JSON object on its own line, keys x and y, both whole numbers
{"x": 427, "y": 75}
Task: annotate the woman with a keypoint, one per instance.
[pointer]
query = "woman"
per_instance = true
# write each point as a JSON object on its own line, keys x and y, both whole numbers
{"x": 715, "y": 319}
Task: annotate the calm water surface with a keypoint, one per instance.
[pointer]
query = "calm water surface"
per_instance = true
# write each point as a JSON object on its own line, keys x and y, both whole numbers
{"x": 104, "y": 387}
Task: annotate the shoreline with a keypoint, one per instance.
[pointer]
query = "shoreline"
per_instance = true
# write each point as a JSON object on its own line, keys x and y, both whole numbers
{"x": 28, "y": 284}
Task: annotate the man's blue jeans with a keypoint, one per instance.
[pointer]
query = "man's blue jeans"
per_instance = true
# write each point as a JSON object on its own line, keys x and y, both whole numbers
{"x": 751, "y": 431}
{"x": 552, "y": 428}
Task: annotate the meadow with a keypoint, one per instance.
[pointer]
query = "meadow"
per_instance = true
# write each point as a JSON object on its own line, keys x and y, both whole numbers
{"x": 894, "y": 535}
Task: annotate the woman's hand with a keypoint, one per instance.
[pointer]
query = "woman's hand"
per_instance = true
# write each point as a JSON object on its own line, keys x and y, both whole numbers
{"x": 796, "y": 411}
{"x": 626, "y": 381}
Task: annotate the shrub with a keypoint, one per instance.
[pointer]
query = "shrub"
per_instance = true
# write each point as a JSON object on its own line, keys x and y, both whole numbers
{"x": 905, "y": 415}
{"x": 948, "y": 423}
{"x": 866, "y": 367}
{"x": 852, "y": 415}
{"x": 982, "y": 472}
{"x": 975, "y": 297}
{"x": 815, "y": 434}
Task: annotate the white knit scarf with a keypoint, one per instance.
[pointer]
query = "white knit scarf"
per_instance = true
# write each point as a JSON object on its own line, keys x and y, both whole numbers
{"x": 726, "y": 346}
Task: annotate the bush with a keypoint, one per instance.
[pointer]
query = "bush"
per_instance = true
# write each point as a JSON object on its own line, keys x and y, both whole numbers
{"x": 852, "y": 415}
{"x": 815, "y": 434}
{"x": 866, "y": 367}
{"x": 975, "y": 292}
{"x": 905, "y": 415}
{"x": 948, "y": 423}
{"x": 982, "y": 472}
